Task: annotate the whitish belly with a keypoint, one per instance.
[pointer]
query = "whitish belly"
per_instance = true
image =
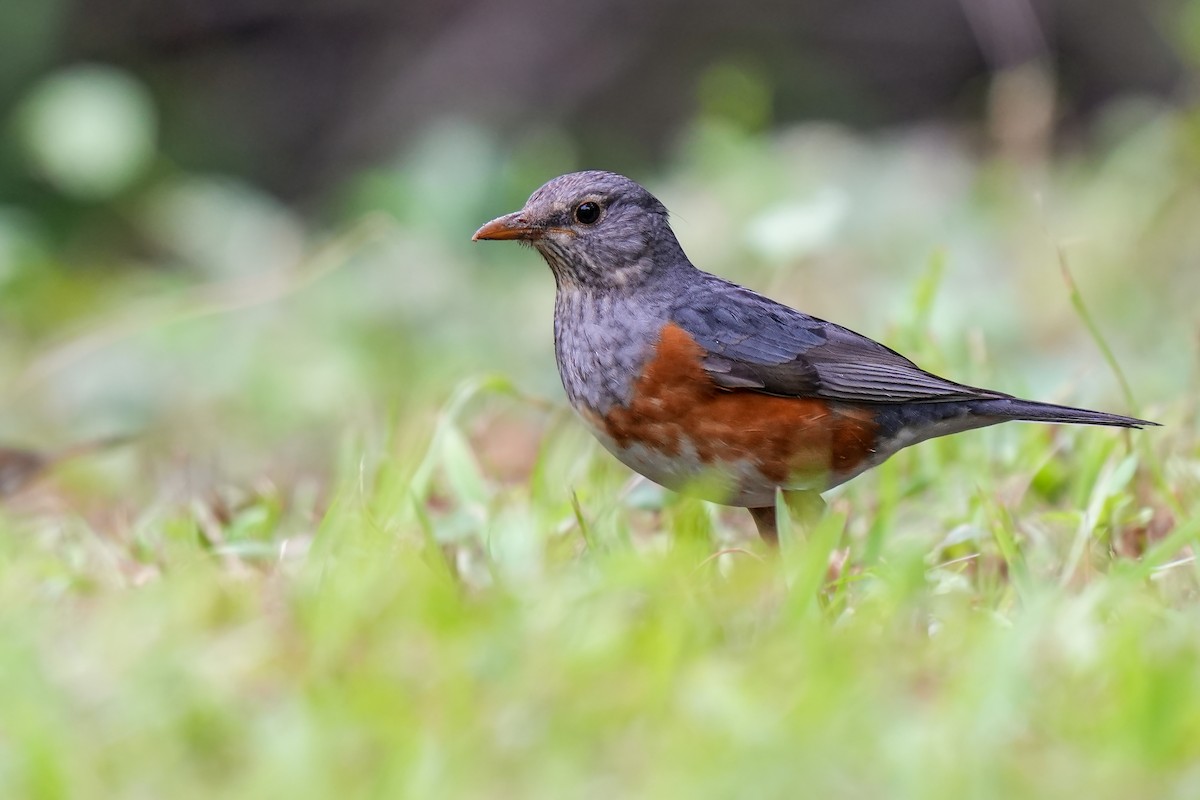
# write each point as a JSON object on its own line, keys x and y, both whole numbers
{"x": 732, "y": 483}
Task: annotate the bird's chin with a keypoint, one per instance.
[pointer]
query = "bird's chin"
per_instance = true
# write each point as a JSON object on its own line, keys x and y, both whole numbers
{"x": 549, "y": 240}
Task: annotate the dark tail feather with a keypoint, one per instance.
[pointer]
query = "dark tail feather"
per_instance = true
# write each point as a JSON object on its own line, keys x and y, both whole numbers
{"x": 1030, "y": 411}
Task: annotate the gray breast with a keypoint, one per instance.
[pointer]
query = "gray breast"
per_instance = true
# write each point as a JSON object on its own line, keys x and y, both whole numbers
{"x": 602, "y": 341}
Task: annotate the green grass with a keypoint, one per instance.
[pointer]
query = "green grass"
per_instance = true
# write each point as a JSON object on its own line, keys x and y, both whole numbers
{"x": 392, "y": 654}
{"x": 335, "y": 564}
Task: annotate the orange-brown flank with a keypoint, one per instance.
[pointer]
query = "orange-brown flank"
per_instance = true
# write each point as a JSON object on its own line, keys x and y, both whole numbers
{"x": 675, "y": 401}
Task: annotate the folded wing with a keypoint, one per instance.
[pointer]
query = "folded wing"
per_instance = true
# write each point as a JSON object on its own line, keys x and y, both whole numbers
{"x": 757, "y": 344}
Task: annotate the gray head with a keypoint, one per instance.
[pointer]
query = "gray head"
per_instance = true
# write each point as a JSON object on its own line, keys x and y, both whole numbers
{"x": 595, "y": 229}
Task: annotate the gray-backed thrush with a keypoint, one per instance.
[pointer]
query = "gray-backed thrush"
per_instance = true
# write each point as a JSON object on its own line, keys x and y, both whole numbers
{"x": 694, "y": 381}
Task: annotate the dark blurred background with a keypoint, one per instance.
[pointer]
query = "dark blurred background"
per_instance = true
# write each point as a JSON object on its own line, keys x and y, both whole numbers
{"x": 297, "y": 96}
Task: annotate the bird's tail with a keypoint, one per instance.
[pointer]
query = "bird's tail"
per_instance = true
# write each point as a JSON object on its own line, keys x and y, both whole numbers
{"x": 1011, "y": 408}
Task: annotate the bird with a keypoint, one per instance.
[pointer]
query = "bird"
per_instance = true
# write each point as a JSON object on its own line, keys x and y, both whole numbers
{"x": 702, "y": 385}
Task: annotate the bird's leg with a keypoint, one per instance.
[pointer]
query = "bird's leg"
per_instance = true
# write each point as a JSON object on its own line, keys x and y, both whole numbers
{"x": 806, "y": 508}
{"x": 764, "y": 520}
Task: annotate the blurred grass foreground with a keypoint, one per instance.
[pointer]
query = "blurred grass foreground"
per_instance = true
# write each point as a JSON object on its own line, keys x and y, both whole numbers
{"x": 355, "y": 545}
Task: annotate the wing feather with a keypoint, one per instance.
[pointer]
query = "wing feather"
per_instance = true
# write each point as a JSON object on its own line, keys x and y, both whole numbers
{"x": 755, "y": 343}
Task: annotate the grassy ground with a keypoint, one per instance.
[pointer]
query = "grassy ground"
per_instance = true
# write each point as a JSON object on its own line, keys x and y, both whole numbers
{"x": 358, "y": 548}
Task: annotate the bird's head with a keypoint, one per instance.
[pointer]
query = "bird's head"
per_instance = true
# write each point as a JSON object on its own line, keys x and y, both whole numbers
{"x": 595, "y": 229}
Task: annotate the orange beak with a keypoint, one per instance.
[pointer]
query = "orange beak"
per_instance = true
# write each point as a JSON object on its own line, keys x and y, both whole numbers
{"x": 510, "y": 226}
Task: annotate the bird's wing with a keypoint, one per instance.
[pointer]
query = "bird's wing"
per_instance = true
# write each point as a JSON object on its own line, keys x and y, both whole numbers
{"x": 754, "y": 343}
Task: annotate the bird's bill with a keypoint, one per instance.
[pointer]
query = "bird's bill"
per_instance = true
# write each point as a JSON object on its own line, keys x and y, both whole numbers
{"x": 510, "y": 226}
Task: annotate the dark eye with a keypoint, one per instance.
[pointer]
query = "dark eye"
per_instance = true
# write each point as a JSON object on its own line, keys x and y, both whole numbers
{"x": 588, "y": 212}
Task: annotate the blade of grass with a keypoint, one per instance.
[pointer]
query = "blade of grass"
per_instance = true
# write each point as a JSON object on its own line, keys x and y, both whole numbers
{"x": 1093, "y": 329}
{"x": 1081, "y": 309}
{"x": 807, "y": 561}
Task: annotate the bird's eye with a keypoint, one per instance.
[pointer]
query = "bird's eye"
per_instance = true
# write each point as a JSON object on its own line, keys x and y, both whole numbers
{"x": 588, "y": 212}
